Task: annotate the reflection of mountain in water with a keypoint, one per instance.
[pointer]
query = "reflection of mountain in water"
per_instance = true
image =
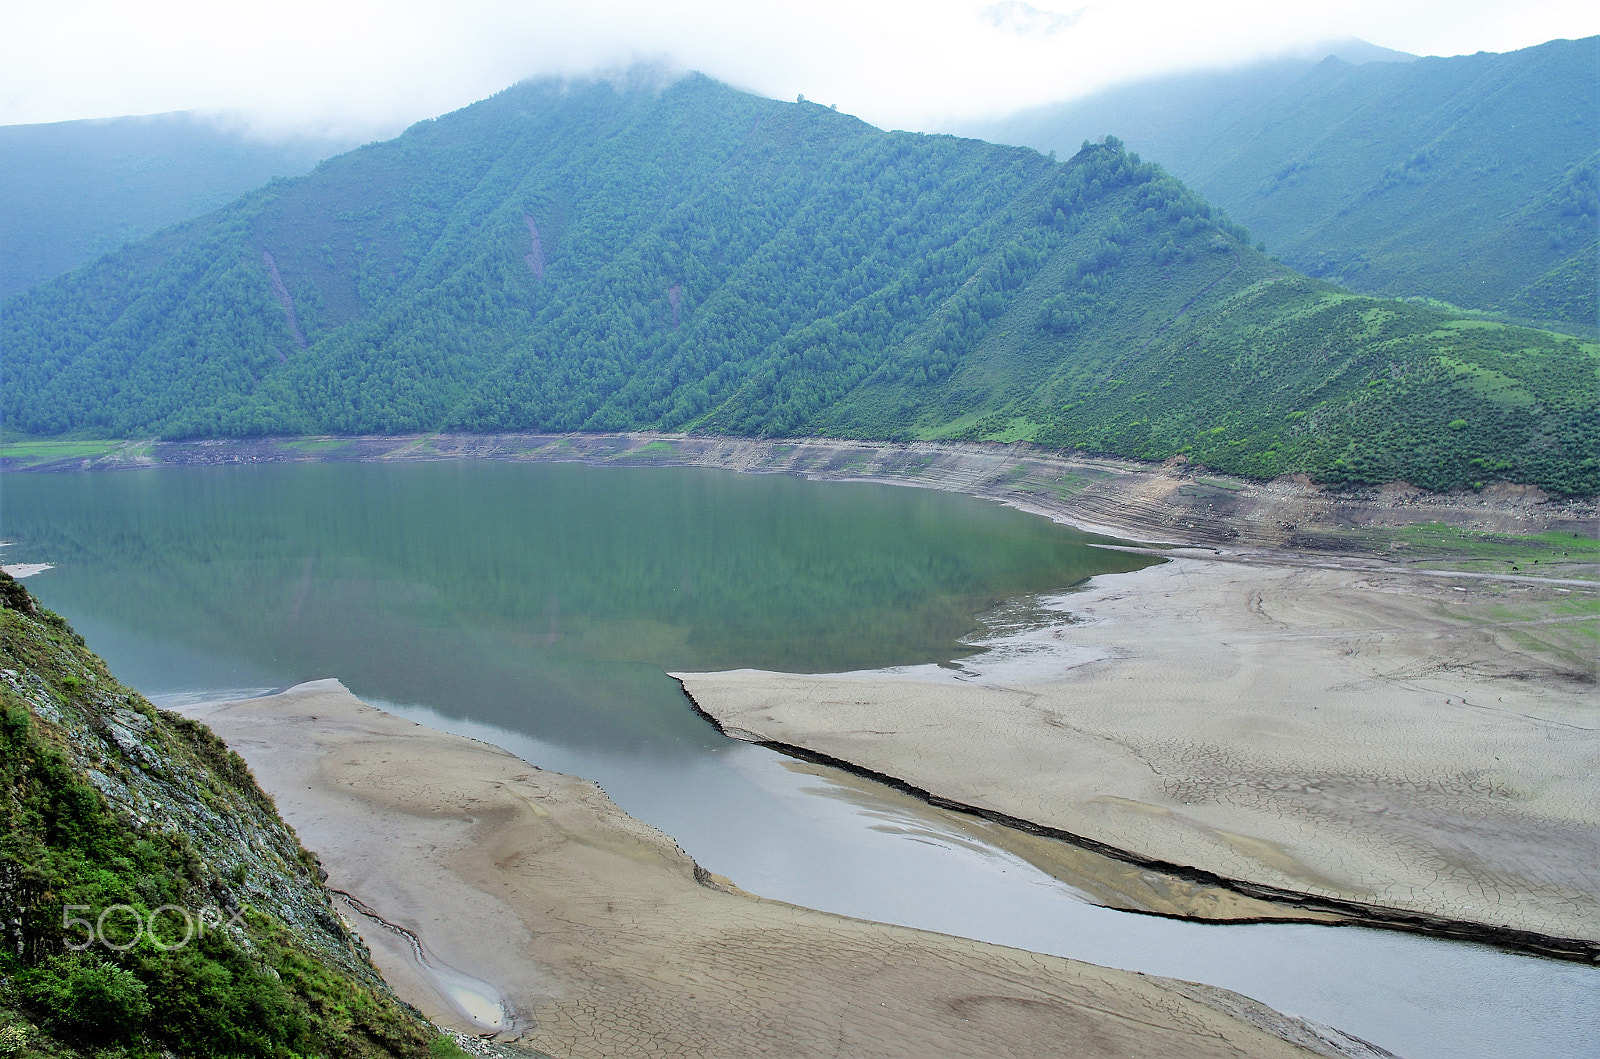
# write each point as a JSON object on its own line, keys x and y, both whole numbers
{"x": 509, "y": 593}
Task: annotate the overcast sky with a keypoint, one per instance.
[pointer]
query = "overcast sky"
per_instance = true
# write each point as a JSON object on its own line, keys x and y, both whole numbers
{"x": 362, "y": 66}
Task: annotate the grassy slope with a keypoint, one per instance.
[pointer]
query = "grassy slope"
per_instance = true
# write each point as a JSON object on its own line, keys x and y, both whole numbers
{"x": 1244, "y": 366}
{"x": 709, "y": 260}
{"x": 287, "y": 981}
{"x": 1468, "y": 179}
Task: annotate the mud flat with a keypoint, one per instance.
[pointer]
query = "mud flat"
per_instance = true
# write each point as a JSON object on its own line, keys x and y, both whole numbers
{"x": 504, "y": 899}
{"x": 1412, "y": 751}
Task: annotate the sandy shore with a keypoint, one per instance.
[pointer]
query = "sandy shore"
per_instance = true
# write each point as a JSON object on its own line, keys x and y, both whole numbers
{"x": 1417, "y": 744}
{"x": 529, "y": 900}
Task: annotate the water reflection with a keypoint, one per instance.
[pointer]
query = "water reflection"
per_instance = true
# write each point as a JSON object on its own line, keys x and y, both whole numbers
{"x": 542, "y": 598}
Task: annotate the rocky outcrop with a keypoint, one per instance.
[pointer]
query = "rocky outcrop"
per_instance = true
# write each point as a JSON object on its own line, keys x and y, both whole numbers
{"x": 140, "y": 854}
{"x": 281, "y": 292}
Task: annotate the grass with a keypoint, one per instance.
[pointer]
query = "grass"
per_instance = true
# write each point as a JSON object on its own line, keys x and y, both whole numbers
{"x": 261, "y": 988}
{"x": 1500, "y": 552}
{"x": 1563, "y": 630}
{"x": 315, "y": 444}
{"x": 42, "y": 451}
{"x": 443, "y": 1047}
{"x": 653, "y": 448}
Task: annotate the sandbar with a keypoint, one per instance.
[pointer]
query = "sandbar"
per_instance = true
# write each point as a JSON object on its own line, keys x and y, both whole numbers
{"x": 524, "y": 903}
{"x": 1420, "y": 748}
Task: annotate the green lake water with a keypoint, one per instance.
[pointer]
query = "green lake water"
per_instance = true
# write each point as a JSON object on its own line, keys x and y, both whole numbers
{"x": 539, "y": 607}
{"x": 545, "y": 598}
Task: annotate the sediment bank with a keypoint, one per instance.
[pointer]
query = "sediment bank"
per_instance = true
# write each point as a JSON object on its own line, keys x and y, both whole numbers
{"x": 603, "y": 938}
{"x": 1412, "y": 752}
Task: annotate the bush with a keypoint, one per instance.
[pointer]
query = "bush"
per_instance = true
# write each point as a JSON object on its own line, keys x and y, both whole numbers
{"x": 88, "y": 998}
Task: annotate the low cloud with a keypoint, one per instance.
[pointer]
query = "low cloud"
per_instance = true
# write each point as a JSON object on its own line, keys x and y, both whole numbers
{"x": 1025, "y": 20}
{"x": 368, "y": 67}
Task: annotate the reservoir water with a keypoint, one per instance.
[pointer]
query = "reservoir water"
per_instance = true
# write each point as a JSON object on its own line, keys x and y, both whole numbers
{"x": 539, "y": 606}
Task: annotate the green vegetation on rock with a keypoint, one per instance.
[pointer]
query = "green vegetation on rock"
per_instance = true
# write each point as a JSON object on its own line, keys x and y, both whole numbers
{"x": 151, "y": 900}
{"x": 687, "y": 257}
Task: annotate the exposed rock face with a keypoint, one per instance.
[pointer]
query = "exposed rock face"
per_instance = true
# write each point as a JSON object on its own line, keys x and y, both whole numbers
{"x": 178, "y": 824}
{"x": 534, "y": 257}
{"x": 281, "y": 292}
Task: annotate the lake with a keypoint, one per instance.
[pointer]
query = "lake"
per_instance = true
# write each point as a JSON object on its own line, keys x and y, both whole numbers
{"x": 539, "y": 606}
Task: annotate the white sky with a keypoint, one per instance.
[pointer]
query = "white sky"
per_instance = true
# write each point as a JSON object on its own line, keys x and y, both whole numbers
{"x": 362, "y": 66}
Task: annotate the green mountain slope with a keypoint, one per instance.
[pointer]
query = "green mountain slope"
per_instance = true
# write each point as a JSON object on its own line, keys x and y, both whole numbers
{"x": 115, "y": 812}
{"x": 587, "y": 257}
{"x": 1470, "y": 179}
{"x": 73, "y": 190}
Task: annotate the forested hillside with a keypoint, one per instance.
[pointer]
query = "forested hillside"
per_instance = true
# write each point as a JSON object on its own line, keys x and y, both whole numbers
{"x": 688, "y": 257}
{"x": 1470, "y": 179}
{"x": 73, "y": 190}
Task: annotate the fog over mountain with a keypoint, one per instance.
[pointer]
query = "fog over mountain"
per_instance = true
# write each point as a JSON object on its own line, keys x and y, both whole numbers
{"x": 359, "y": 68}
{"x": 71, "y": 191}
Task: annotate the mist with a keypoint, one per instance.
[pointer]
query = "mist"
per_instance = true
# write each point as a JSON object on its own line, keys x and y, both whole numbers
{"x": 361, "y": 69}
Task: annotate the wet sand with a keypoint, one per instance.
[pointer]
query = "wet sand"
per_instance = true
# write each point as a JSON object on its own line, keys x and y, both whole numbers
{"x": 526, "y": 898}
{"x": 1096, "y": 877}
{"x": 1419, "y": 746}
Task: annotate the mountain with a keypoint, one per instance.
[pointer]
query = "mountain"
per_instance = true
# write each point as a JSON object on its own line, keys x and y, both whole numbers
{"x": 116, "y": 812}
{"x": 73, "y": 190}
{"x": 1469, "y": 179}
{"x": 596, "y": 256}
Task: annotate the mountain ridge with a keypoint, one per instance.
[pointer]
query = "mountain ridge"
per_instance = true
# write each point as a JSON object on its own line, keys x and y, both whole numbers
{"x": 1468, "y": 179}
{"x": 71, "y": 191}
{"x": 589, "y": 256}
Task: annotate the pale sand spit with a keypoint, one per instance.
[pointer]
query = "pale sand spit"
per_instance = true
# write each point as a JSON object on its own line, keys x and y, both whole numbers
{"x": 22, "y": 570}
{"x": 602, "y": 938}
{"x": 1392, "y": 741}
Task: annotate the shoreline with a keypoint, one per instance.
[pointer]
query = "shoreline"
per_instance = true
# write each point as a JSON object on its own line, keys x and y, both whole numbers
{"x": 1109, "y": 496}
{"x": 604, "y": 937}
{"x": 1328, "y": 829}
{"x": 1170, "y": 503}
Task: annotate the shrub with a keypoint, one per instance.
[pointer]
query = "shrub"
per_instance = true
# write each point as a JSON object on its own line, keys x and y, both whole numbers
{"x": 89, "y": 998}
